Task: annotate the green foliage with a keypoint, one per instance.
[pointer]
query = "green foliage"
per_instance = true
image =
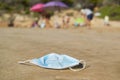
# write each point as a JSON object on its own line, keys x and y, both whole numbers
{"x": 6, "y": 7}
{"x": 112, "y": 11}
{"x": 25, "y": 2}
{"x": 68, "y": 2}
{"x": 44, "y": 1}
{"x": 96, "y": 1}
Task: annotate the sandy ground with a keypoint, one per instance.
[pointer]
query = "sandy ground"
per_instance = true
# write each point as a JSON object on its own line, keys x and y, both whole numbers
{"x": 99, "y": 47}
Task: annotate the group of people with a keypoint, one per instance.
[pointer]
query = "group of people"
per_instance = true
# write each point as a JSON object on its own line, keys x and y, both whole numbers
{"x": 64, "y": 21}
{"x": 85, "y": 20}
{"x": 45, "y": 22}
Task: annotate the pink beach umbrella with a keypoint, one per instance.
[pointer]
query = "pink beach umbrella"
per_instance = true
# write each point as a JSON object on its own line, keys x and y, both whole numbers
{"x": 37, "y": 7}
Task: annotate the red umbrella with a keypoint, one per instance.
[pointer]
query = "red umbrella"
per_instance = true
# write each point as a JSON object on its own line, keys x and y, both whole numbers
{"x": 37, "y": 7}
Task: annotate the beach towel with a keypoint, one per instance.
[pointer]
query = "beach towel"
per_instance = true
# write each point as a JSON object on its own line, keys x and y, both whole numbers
{"x": 57, "y": 61}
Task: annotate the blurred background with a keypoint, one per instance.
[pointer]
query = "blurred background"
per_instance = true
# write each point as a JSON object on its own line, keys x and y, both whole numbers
{"x": 21, "y": 8}
{"x": 107, "y": 7}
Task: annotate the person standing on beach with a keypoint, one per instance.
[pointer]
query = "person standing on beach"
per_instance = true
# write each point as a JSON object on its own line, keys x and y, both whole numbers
{"x": 106, "y": 21}
{"x": 11, "y": 20}
{"x": 88, "y": 15}
{"x": 66, "y": 21}
{"x": 47, "y": 21}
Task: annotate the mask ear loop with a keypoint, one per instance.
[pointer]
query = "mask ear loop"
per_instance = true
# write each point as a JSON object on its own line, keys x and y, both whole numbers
{"x": 83, "y": 63}
{"x": 23, "y": 62}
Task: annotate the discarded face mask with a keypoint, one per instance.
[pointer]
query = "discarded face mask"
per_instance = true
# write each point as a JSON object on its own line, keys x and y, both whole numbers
{"x": 57, "y": 61}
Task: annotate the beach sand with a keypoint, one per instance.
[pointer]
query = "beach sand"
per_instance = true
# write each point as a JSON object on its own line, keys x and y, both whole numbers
{"x": 99, "y": 47}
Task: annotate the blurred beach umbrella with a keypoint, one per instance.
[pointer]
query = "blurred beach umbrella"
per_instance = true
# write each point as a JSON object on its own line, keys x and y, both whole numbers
{"x": 37, "y": 7}
{"x": 55, "y": 5}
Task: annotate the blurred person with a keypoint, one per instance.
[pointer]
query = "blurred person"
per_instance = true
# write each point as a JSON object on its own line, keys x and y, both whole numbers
{"x": 57, "y": 23}
{"x": 88, "y": 15}
{"x": 47, "y": 21}
{"x": 11, "y": 21}
{"x": 42, "y": 22}
{"x": 35, "y": 23}
{"x": 106, "y": 21}
{"x": 66, "y": 21}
